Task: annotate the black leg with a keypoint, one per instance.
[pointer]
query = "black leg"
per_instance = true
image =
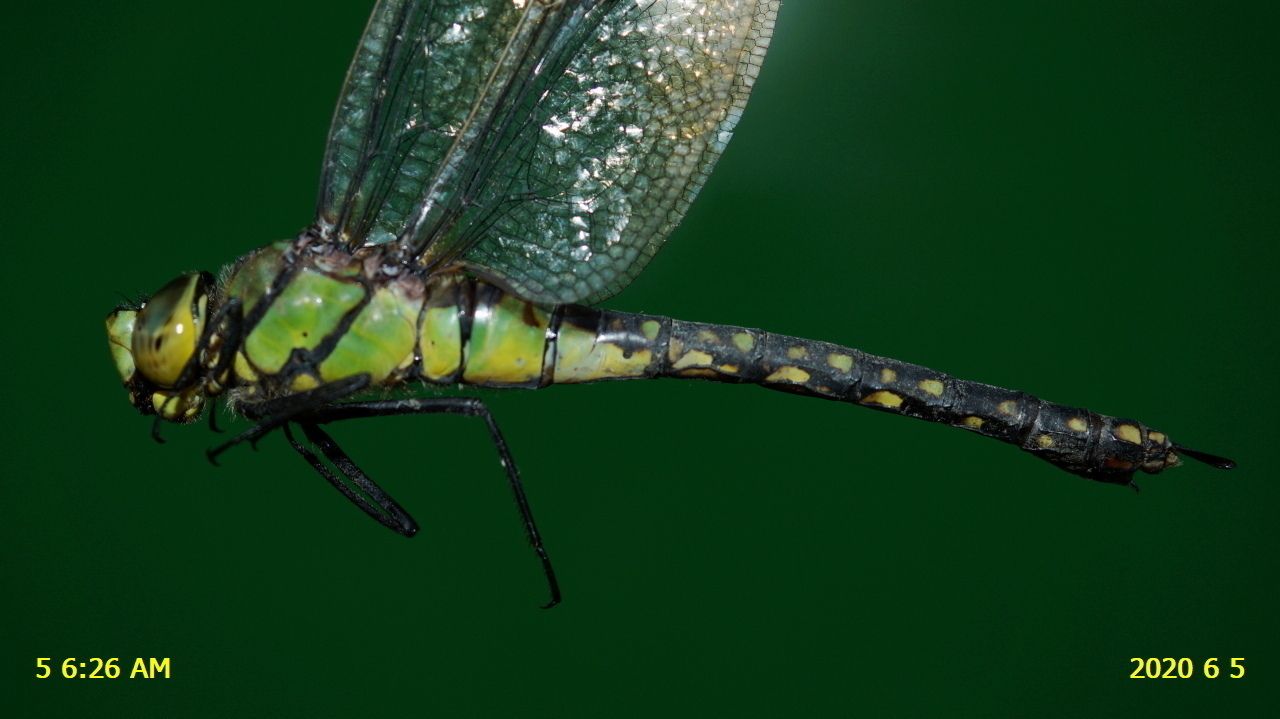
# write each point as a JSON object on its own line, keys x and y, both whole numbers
{"x": 230, "y": 321}
{"x": 467, "y": 406}
{"x": 213, "y": 413}
{"x": 275, "y": 413}
{"x": 387, "y": 511}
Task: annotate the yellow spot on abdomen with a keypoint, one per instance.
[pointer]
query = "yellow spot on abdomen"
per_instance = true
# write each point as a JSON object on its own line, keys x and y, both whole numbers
{"x": 797, "y": 352}
{"x": 675, "y": 348}
{"x": 883, "y": 397}
{"x": 744, "y": 341}
{"x": 932, "y": 386}
{"x": 1077, "y": 424}
{"x": 1117, "y": 463}
{"x": 788, "y": 374}
{"x": 650, "y": 329}
{"x": 700, "y": 372}
{"x": 692, "y": 358}
{"x": 888, "y": 376}
{"x": 1157, "y": 437}
{"x": 1008, "y": 407}
{"x": 1044, "y": 441}
{"x": 971, "y": 422}
{"x": 844, "y": 363}
{"x": 708, "y": 337}
{"x": 1128, "y": 433}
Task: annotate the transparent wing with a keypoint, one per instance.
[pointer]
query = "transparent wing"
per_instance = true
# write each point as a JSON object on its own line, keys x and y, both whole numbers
{"x": 420, "y": 70}
{"x": 551, "y": 146}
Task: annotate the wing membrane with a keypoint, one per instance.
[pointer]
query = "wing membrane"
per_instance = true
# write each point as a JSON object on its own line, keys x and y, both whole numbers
{"x": 551, "y": 146}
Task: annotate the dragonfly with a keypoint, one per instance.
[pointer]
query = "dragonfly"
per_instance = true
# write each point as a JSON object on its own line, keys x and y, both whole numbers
{"x": 493, "y": 169}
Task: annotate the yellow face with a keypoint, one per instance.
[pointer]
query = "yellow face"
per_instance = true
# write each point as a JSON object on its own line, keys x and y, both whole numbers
{"x": 154, "y": 348}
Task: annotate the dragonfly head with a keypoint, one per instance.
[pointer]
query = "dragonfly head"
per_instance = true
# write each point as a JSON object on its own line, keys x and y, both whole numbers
{"x": 156, "y": 348}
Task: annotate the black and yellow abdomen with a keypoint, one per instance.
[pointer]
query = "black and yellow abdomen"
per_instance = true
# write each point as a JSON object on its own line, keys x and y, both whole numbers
{"x": 1083, "y": 442}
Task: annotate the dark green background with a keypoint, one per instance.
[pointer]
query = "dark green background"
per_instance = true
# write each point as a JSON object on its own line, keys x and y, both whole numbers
{"x": 1076, "y": 199}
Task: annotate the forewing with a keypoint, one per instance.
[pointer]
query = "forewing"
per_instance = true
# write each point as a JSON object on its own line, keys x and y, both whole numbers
{"x": 419, "y": 70}
{"x": 549, "y": 146}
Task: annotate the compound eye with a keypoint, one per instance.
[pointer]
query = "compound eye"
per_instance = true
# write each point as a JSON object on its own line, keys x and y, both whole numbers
{"x": 168, "y": 329}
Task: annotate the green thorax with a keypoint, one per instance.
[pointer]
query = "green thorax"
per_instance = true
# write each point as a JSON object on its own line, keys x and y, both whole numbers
{"x": 316, "y": 313}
